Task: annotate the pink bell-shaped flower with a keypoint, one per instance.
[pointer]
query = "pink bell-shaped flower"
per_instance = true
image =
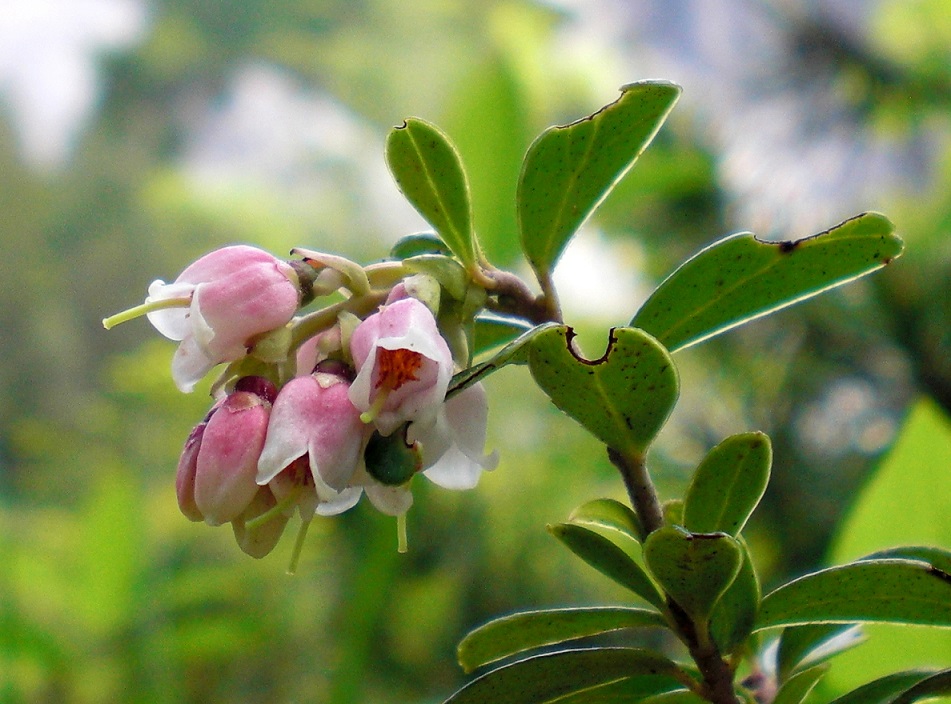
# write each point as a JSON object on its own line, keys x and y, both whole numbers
{"x": 313, "y": 421}
{"x": 217, "y": 470}
{"x": 403, "y": 366}
{"x": 218, "y": 304}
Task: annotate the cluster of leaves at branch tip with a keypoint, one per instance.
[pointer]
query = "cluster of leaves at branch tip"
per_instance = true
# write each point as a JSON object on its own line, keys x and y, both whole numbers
{"x": 697, "y": 565}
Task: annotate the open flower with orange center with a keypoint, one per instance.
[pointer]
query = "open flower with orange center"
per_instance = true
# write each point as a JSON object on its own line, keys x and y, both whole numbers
{"x": 403, "y": 366}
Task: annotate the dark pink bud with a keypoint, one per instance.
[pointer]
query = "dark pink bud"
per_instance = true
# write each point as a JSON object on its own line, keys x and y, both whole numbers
{"x": 227, "y": 459}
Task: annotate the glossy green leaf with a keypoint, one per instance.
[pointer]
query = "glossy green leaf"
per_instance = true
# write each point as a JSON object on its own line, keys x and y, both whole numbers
{"x": 492, "y": 330}
{"x": 623, "y": 398}
{"x": 610, "y": 515}
{"x": 912, "y": 478}
{"x": 429, "y": 172}
{"x": 515, "y": 352}
{"x": 533, "y": 629}
{"x": 570, "y": 169}
{"x": 609, "y": 559}
{"x": 546, "y": 678}
{"x": 938, "y": 558}
{"x": 813, "y": 644}
{"x": 630, "y": 689}
{"x": 883, "y": 591}
{"x": 680, "y": 696}
{"x": 884, "y": 689}
{"x": 735, "y": 612}
{"x": 740, "y": 278}
{"x": 728, "y": 484}
{"x": 938, "y": 684}
{"x": 695, "y": 569}
{"x": 797, "y": 687}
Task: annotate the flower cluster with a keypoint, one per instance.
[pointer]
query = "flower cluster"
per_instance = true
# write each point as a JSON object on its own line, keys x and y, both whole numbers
{"x": 312, "y": 411}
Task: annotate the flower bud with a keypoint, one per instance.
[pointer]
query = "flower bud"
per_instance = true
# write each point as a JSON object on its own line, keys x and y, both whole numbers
{"x": 225, "y": 464}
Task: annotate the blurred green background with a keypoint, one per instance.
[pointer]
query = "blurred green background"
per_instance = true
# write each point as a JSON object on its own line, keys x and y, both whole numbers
{"x": 136, "y": 135}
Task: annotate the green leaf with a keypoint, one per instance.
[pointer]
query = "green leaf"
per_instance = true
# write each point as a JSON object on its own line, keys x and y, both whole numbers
{"x": 797, "y": 688}
{"x": 493, "y": 330}
{"x": 813, "y": 644}
{"x": 728, "y": 484}
{"x": 883, "y": 591}
{"x": 740, "y": 278}
{"x": 735, "y": 613}
{"x": 913, "y": 475}
{"x": 515, "y": 352}
{"x": 935, "y": 685}
{"x": 623, "y": 398}
{"x": 570, "y": 169}
{"x": 630, "y": 689}
{"x": 680, "y": 696}
{"x": 609, "y": 559}
{"x": 418, "y": 243}
{"x": 884, "y": 689}
{"x": 545, "y": 678}
{"x": 533, "y": 629}
{"x": 610, "y": 515}
{"x": 936, "y": 557}
{"x": 695, "y": 569}
{"x": 429, "y": 172}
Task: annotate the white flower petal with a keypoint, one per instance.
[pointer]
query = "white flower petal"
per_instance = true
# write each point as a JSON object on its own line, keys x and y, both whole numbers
{"x": 170, "y": 322}
{"x": 454, "y": 470}
{"x": 190, "y": 365}
{"x": 391, "y": 500}
{"x": 344, "y": 501}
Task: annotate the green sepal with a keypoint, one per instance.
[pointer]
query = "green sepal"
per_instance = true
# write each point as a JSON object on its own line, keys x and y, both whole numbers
{"x": 568, "y": 170}
{"x": 728, "y": 484}
{"x": 428, "y": 170}
{"x": 740, "y": 278}
{"x": 623, "y": 398}
{"x": 695, "y": 569}
{"x": 873, "y": 591}
{"x": 609, "y": 558}
{"x": 534, "y": 629}
{"x": 547, "y": 678}
{"x": 446, "y": 270}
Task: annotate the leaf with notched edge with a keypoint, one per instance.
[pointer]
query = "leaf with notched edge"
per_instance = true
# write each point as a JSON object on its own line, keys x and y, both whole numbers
{"x": 740, "y": 278}
{"x": 623, "y": 398}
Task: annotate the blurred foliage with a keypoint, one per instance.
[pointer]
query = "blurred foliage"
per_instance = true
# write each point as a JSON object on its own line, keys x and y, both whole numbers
{"x": 108, "y": 594}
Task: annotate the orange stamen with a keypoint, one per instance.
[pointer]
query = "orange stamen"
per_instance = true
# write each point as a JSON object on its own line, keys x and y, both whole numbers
{"x": 396, "y": 367}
